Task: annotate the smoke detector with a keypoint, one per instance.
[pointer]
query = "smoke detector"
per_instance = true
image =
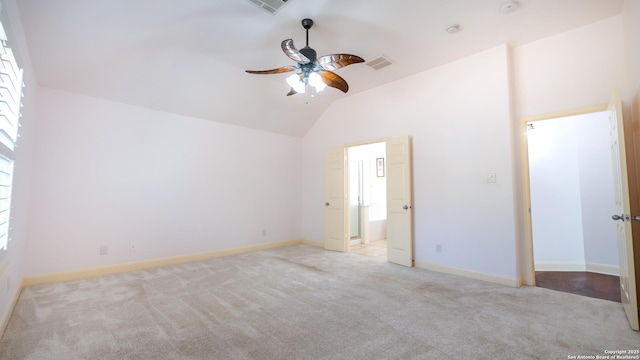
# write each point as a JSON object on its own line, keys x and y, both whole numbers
{"x": 509, "y": 6}
{"x": 453, "y": 29}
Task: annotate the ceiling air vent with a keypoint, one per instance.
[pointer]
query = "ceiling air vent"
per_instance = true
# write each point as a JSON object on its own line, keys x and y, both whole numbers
{"x": 379, "y": 63}
{"x": 272, "y": 6}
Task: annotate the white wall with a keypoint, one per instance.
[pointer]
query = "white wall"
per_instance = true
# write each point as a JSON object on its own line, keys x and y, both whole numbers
{"x": 572, "y": 194}
{"x": 112, "y": 174}
{"x": 631, "y": 15}
{"x": 12, "y": 260}
{"x": 577, "y": 68}
{"x": 556, "y": 207}
{"x": 458, "y": 116}
{"x": 596, "y": 190}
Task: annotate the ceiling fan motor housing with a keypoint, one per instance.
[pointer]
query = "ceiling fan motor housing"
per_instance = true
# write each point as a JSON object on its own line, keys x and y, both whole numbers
{"x": 307, "y": 23}
{"x": 309, "y": 53}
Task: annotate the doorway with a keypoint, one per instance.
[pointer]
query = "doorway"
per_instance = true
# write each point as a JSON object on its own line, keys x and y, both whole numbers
{"x": 394, "y": 168}
{"x": 572, "y": 198}
{"x": 367, "y": 200}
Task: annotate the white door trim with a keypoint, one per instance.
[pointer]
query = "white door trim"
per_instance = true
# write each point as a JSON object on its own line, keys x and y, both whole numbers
{"x": 526, "y": 273}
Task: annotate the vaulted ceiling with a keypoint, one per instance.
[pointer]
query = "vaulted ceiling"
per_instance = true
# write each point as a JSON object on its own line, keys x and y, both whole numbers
{"x": 188, "y": 57}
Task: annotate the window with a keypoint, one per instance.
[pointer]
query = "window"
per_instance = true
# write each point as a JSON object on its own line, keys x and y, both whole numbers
{"x": 10, "y": 103}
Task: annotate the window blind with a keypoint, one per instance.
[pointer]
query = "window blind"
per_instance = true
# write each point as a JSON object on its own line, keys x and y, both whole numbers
{"x": 10, "y": 93}
{"x": 11, "y": 84}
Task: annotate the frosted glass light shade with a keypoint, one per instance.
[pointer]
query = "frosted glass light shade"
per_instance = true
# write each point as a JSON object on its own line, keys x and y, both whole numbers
{"x": 315, "y": 80}
{"x": 296, "y": 83}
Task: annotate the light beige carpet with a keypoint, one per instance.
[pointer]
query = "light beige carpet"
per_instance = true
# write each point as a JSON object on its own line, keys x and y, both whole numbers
{"x": 301, "y": 302}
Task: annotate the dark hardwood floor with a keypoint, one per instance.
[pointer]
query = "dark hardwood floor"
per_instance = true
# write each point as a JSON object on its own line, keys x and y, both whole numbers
{"x": 589, "y": 284}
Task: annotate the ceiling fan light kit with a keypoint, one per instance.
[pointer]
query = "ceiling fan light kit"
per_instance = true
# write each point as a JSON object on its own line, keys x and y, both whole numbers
{"x": 312, "y": 73}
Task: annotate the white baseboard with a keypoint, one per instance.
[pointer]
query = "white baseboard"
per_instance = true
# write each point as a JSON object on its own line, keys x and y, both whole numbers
{"x": 496, "y": 279}
{"x": 120, "y": 268}
{"x": 312, "y": 242}
{"x": 603, "y": 269}
{"x": 590, "y": 267}
{"x": 559, "y": 266}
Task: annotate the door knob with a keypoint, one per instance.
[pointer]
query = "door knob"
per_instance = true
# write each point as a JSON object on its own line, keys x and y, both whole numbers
{"x": 406, "y": 207}
{"x": 636, "y": 218}
{"x": 326, "y": 204}
{"x": 618, "y": 217}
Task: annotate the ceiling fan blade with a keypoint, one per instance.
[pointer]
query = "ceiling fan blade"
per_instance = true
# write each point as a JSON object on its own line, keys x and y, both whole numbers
{"x": 337, "y": 61}
{"x": 293, "y": 53}
{"x": 291, "y": 92}
{"x": 334, "y": 80}
{"x": 279, "y": 70}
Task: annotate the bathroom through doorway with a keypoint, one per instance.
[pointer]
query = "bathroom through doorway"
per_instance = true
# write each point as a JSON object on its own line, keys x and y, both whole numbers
{"x": 368, "y": 200}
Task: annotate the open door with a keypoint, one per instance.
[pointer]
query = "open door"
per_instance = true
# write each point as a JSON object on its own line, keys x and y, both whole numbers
{"x": 622, "y": 216}
{"x": 399, "y": 202}
{"x": 335, "y": 216}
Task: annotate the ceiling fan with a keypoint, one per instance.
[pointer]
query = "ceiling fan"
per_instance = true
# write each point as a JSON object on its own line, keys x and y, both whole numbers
{"x": 312, "y": 74}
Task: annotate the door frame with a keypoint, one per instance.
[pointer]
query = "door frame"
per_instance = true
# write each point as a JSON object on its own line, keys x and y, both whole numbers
{"x": 401, "y": 250}
{"x": 346, "y": 246}
{"x": 529, "y": 275}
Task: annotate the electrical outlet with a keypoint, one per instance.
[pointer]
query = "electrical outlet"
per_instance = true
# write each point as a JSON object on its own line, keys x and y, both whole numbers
{"x": 104, "y": 250}
{"x": 490, "y": 178}
{"x": 439, "y": 248}
{"x": 264, "y": 232}
{"x": 132, "y": 248}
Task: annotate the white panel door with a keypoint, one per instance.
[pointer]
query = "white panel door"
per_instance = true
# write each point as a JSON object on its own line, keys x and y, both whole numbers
{"x": 335, "y": 216}
{"x": 623, "y": 213}
{"x": 399, "y": 204}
